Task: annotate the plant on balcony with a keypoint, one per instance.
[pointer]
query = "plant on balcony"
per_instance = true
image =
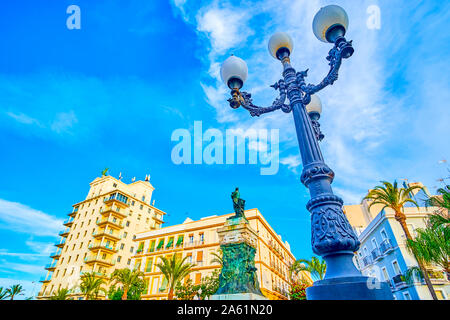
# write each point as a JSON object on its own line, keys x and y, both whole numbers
{"x": 315, "y": 267}
{"x": 298, "y": 289}
{"x": 91, "y": 286}
{"x": 130, "y": 280}
{"x": 14, "y": 290}
{"x": 432, "y": 243}
{"x": 174, "y": 269}
{"x": 391, "y": 196}
{"x": 61, "y": 294}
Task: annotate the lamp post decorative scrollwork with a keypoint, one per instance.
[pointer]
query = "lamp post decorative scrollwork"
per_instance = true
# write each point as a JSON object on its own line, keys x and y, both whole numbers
{"x": 332, "y": 236}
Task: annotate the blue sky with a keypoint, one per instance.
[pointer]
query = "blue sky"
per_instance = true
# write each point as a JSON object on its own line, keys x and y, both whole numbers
{"x": 73, "y": 102}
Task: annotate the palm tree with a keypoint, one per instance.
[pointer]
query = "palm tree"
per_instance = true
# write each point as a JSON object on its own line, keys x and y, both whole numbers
{"x": 391, "y": 196}
{"x": 3, "y": 293}
{"x": 432, "y": 244}
{"x": 217, "y": 258}
{"x": 174, "y": 269}
{"x": 14, "y": 290}
{"x": 127, "y": 279}
{"x": 441, "y": 201}
{"x": 317, "y": 268}
{"x": 91, "y": 286}
{"x": 61, "y": 294}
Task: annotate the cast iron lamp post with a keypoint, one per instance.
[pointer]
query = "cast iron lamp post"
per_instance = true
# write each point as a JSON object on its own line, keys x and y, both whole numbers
{"x": 332, "y": 236}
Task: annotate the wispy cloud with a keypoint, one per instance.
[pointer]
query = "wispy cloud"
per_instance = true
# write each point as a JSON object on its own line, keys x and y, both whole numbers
{"x": 23, "y": 118}
{"x": 361, "y": 113}
{"x": 64, "y": 121}
{"x": 21, "y": 218}
{"x": 292, "y": 162}
{"x": 34, "y": 269}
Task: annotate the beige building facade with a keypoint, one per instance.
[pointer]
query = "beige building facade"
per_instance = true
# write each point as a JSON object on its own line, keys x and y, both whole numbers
{"x": 99, "y": 232}
{"x": 198, "y": 240}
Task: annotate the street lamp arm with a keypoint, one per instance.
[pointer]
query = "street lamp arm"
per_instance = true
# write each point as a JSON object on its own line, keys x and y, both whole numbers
{"x": 245, "y": 100}
{"x": 342, "y": 49}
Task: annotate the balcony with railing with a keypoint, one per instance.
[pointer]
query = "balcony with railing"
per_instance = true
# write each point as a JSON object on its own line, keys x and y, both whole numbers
{"x": 191, "y": 244}
{"x": 437, "y": 277}
{"x": 276, "y": 249}
{"x": 97, "y": 259}
{"x": 278, "y": 269}
{"x": 50, "y": 266}
{"x": 112, "y": 222}
{"x": 55, "y": 254}
{"x": 399, "y": 282}
{"x": 108, "y": 235}
{"x": 117, "y": 198}
{"x": 97, "y": 274}
{"x": 45, "y": 279}
{"x": 65, "y": 232}
{"x": 61, "y": 243}
{"x": 375, "y": 254}
{"x": 386, "y": 246}
{"x": 366, "y": 261}
{"x": 280, "y": 290}
{"x": 68, "y": 222}
{"x": 110, "y": 211}
{"x": 102, "y": 246}
{"x": 73, "y": 213}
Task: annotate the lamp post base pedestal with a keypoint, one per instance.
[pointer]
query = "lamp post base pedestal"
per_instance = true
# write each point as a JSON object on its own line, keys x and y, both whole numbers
{"x": 349, "y": 288}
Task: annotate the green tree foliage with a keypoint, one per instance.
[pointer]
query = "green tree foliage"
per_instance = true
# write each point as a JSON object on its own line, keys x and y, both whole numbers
{"x": 316, "y": 267}
{"x": 298, "y": 290}
{"x": 14, "y": 290}
{"x": 207, "y": 287}
{"x": 3, "y": 293}
{"x": 91, "y": 286}
{"x": 391, "y": 196}
{"x": 174, "y": 270}
{"x": 61, "y": 294}
{"x": 186, "y": 291}
{"x": 131, "y": 281}
{"x": 432, "y": 243}
{"x": 442, "y": 200}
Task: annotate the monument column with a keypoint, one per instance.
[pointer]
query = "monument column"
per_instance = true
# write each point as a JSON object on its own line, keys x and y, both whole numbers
{"x": 238, "y": 241}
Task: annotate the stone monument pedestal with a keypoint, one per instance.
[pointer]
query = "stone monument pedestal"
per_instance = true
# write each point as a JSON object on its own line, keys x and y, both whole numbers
{"x": 238, "y": 279}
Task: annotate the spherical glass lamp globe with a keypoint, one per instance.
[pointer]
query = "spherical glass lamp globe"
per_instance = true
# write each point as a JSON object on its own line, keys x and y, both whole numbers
{"x": 280, "y": 43}
{"x": 314, "y": 107}
{"x": 234, "y": 72}
{"x": 330, "y": 23}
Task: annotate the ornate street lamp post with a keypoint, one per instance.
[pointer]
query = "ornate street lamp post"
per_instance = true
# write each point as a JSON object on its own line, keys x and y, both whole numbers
{"x": 332, "y": 236}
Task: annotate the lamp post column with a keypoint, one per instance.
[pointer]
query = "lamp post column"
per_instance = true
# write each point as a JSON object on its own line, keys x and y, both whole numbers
{"x": 332, "y": 236}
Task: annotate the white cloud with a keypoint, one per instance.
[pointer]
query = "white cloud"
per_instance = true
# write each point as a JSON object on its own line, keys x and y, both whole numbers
{"x": 21, "y": 218}
{"x": 292, "y": 162}
{"x": 64, "y": 121}
{"x": 23, "y": 118}
{"x": 23, "y": 267}
{"x": 360, "y": 116}
{"x": 44, "y": 248}
{"x": 225, "y": 27}
{"x": 21, "y": 255}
